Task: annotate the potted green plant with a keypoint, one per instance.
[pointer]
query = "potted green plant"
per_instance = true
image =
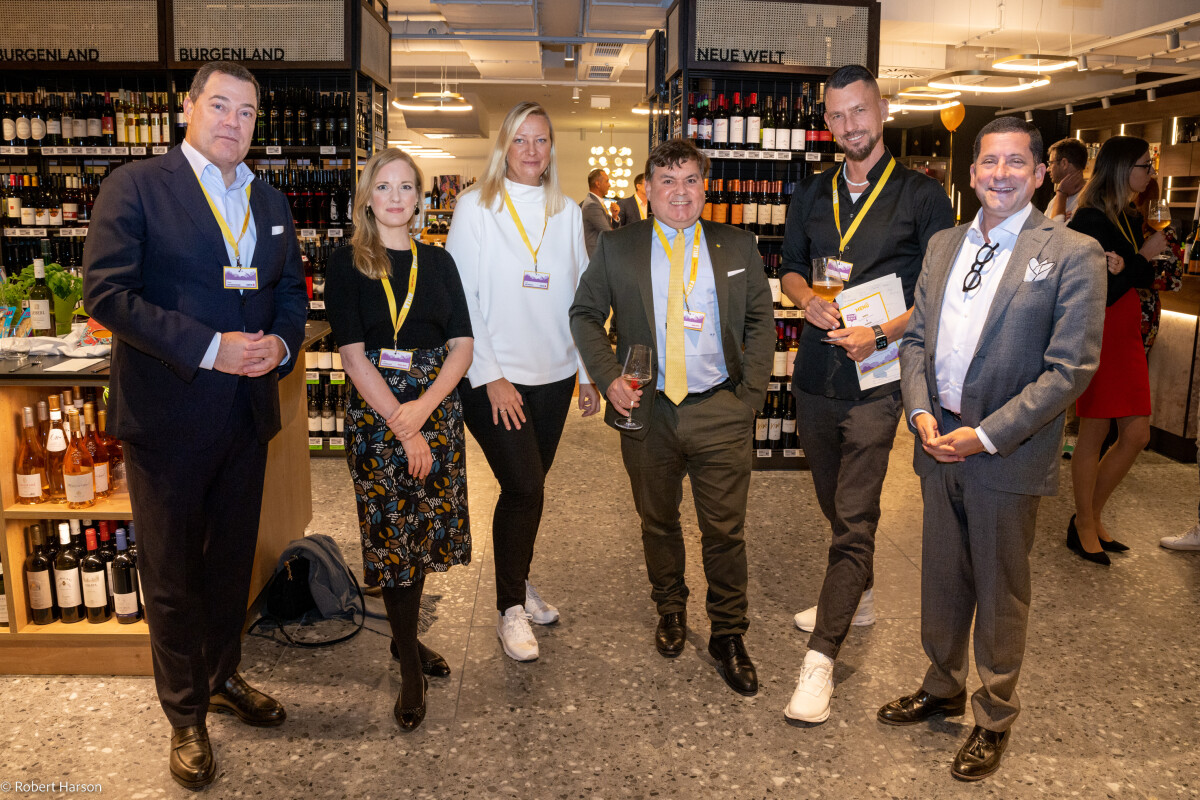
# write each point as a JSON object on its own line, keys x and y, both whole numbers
{"x": 66, "y": 287}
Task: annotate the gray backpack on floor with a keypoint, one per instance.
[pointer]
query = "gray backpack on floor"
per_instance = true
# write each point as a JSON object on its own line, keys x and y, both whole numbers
{"x": 311, "y": 582}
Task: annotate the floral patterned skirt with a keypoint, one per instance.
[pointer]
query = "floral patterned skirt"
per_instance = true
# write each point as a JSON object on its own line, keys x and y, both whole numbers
{"x": 409, "y": 527}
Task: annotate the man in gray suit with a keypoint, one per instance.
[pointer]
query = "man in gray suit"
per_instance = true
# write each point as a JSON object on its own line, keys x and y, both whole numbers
{"x": 696, "y": 294}
{"x": 1005, "y": 333}
{"x": 596, "y": 216}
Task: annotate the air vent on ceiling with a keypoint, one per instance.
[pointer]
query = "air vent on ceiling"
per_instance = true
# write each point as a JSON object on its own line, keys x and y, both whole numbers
{"x": 901, "y": 73}
{"x": 607, "y": 50}
{"x": 599, "y": 72}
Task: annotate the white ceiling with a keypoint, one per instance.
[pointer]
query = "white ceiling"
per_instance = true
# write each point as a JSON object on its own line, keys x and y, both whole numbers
{"x": 500, "y": 52}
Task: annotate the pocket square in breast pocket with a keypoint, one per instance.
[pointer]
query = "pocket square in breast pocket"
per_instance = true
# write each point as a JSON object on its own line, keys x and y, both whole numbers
{"x": 276, "y": 230}
{"x": 734, "y": 272}
{"x": 1038, "y": 270}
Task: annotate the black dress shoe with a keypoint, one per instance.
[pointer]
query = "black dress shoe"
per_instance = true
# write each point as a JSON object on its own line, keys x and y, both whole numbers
{"x": 671, "y": 633}
{"x": 410, "y": 719}
{"x": 192, "y": 762}
{"x": 432, "y": 664}
{"x": 1113, "y": 546}
{"x": 1076, "y": 546}
{"x": 734, "y": 663}
{"x": 920, "y": 706}
{"x": 249, "y": 704}
{"x": 980, "y": 754}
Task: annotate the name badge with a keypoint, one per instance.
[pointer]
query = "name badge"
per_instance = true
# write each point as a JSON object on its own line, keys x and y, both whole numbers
{"x": 395, "y": 359}
{"x": 536, "y": 280}
{"x": 693, "y": 320}
{"x": 241, "y": 278}
{"x": 840, "y": 268}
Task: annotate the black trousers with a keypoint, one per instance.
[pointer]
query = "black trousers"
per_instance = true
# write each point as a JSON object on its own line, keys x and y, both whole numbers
{"x": 520, "y": 460}
{"x": 196, "y": 517}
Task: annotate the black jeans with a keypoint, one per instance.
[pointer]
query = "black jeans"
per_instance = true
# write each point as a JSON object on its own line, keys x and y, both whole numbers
{"x": 520, "y": 460}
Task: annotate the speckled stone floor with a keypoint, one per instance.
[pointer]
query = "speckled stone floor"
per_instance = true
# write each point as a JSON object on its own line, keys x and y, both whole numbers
{"x": 1110, "y": 685}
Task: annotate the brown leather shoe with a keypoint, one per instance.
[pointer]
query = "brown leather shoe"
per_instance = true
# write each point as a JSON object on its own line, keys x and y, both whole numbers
{"x": 920, "y": 706}
{"x": 980, "y": 754}
{"x": 249, "y": 704}
{"x": 192, "y": 762}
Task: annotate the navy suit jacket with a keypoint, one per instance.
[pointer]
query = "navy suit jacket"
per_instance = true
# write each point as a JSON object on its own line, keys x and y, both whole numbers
{"x": 153, "y": 275}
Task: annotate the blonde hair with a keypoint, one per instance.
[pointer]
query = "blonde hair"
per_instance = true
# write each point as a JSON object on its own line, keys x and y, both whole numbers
{"x": 370, "y": 256}
{"x": 491, "y": 185}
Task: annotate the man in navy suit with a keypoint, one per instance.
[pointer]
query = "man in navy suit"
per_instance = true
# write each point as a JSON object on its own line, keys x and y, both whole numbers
{"x": 195, "y": 268}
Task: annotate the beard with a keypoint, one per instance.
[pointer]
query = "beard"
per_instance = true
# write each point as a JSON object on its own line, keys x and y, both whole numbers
{"x": 861, "y": 150}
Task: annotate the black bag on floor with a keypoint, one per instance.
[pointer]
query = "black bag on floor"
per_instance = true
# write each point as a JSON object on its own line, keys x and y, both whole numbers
{"x": 311, "y": 581}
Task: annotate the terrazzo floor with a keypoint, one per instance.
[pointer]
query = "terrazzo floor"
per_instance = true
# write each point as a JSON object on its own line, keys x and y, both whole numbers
{"x": 1111, "y": 707}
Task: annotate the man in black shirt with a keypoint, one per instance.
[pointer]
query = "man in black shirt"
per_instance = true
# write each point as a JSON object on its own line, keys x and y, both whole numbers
{"x": 876, "y": 225}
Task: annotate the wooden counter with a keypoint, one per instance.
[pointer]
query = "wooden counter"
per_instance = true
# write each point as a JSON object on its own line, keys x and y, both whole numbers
{"x": 111, "y": 648}
{"x": 1174, "y": 369}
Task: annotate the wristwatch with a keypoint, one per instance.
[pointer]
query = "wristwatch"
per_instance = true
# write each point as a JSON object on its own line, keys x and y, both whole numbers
{"x": 881, "y": 341}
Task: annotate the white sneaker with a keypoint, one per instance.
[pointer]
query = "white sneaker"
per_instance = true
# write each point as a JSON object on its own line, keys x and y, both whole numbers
{"x": 1184, "y": 541}
{"x": 537, "y": 609}
{"x": 806, "y": 620}
{"x": 810, "y": 701}
{"x": 516, "y": 635}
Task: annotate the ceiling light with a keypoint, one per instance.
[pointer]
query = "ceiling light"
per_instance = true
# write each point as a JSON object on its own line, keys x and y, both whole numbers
{"x": 625, "y": 151}
{"x": 1105, "y": 102}
{"x": 569, "y": 55}
{"x": 1151, "y": 95}
{"x": 1070, "y": 109}
{"x": 982, "y": 80}
{"x": 612, "y": 151}
{"x": 918, "y": 105}
{"x": 575, "y": 95}
{"x": 1034, "y": 62}
{"x": 445, "y": 100}
{"x": 1029, "y": 116}
{"x": 591, "y": 161}
{"x": 1173, "y": 40}
{"x": 641, "y": 109}
{"x": 1083, "y": 62}
{"x": 928, "y": 93}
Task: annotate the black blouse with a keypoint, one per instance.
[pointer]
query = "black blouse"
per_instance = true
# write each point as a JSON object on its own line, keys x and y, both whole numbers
{"x": 1138, "y": 273}
{"x": 358, "y": 309}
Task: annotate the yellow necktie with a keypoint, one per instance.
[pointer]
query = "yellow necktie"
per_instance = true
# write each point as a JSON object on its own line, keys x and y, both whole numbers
{"x": 676, "y": 384}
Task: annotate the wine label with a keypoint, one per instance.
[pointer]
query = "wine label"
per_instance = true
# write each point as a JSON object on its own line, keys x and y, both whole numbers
{"x": 778, "y": 214}
{"x": 125, "y": 604}
{"x": 776, "y": 289}
{"x": 40, "y": 593}
{"x": 706, "y": 131}
{"x": 70, "y": 212}
{"x": 37, "y": 129}
{"x": 310, "y": 359}
{"x": 314, "y": 423}
{"x": 28, "y": 216}
{"x": 324, "y": 360}
{"x": 768, "y": 138}
{"x": 39, "y": 315}
{"x": 56, "y": 441}
{"x": 12, "y": 207}
{"x": 337, "y": 360}
{"x": 789, "y": 426}
{"x": 754, "y": 132}
{"x": 328, "y": 424}
{"x": 720, "y": 131}
{"x": 737, "y": 131}
{"x": 95, "y": 594}
{"x": 24, "y": 129}
{"x": 10, "y": 129}
{"x": 760, "y": 428}
{"x": 116, "y": 477}
{"x": 79, "y": 129}
{"x": 29, "y": 485}
{"x": 80, "y": 488}
{"x": 100, "y": 477}
{"x": 791, "y": 362}
{"x": 41, "y": 217}
{"x": 798, "y": 139}
{"x": 92, "y": 127}
{"x": 749, "y": 213}
{"x": 779, "y": 366}
{"x": 67, "y": 583}
{"x": 774, "y": 429}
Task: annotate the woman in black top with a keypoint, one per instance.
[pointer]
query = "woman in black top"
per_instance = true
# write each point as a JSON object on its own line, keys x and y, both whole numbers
{"x": 405, "y": 341}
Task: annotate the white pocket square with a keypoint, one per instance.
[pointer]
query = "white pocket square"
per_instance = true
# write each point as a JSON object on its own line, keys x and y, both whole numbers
{"x": 276, "y": 230}
{"x": 735, "y": 272}
{"x": 1038, "y": 270}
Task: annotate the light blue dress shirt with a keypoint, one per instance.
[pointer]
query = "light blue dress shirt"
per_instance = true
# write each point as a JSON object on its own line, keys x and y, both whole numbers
{"x": 702, "y": 349}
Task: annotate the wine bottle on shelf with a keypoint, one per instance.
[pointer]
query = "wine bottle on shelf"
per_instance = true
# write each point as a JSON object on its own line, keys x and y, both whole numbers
{"x": 706, "y": 124}
{"x": 793, "y": 343}
{"x": 116, "y": 455}
{"x": 107, "y": 554}
{"x": 754, "y": 124}
{"x": 762, "y": 425}
{"x": 328, "y": 422}
{"x": 314, "y": 411}
{"x": 720, "y": 202}
{"x": 38, "y": 578}
{"x": 787, "y": 438}
{"x": 67, "y": 584}
{"x": 97, "y": 450}
{"x": 737, "y": 124}
{"x": 43, "y": 416}
{"x": 721, "y": 125}
{"x": 735, "y": 203}
{"x": 78, "y": 469}
{"x": 56, "y": 448}
{"x": 124, "y": 582}
{"x": 1192, "y": 250}
{"x": 92, "y": 576}
{"x": 750, "y": 207}
{"x": 707, "y": 212}
{"x": 779, "y": 363}
{"x": 692, "y": 131}
{"x": 32, "y": 484}
{"x": 769, "y": 125}
{"x": 41, "y": 301}
{"x": 774, "y": 422}
{"x": 131, "y": 534}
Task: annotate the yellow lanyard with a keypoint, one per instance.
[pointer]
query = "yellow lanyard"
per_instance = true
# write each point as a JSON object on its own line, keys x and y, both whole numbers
{"x": 398, "y": 318}
{"x": 679, "y": 240}
{"x": 521, "y": 230}
{"x": 1126, "y": 229}
{"x": 837, "y": 218}
{"x": 228, "y": 234}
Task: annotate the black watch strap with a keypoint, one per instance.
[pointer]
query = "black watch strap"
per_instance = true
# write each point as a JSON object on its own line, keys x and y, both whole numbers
{"x": 881, "y": 341}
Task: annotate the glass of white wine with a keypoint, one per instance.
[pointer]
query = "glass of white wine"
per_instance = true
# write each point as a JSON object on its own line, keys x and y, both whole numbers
{"x": 826, "y": 283}
{"x": 1158, "y": 215}
{"x": 636, "y": 373}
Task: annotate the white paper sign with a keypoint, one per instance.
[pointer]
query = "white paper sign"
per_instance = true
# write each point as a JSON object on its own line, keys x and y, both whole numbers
{"x": 874, "y": 303}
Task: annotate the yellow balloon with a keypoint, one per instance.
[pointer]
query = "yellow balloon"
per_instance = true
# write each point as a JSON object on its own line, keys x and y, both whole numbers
{"x": 953, "y": 116}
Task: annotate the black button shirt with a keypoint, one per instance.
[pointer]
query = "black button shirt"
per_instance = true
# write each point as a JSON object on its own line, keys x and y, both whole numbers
{"x": 891, "y": 240}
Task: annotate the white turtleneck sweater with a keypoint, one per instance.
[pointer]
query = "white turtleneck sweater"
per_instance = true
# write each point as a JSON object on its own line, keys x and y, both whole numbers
{"x": 521, "y": 334}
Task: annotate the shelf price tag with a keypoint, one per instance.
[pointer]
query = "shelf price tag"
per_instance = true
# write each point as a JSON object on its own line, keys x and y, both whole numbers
{"x": 308, "y": 233}
{"x": 337, "y": 378}
{"x": 839, "y": 156}
{"x": 773, "y": 386}
{"x": 316, "y": 305}
{"x": 137, "y": 151}
{"x": 274, "y": 150}
{"x": 336, "y": 444}
{"x": 334, "y": 233}
{"x": 783, "y": 155}
{"x": 53, "y": 151}
{"x": 312, "y": 376}
{"x": 797, "y": 453}
{"x": 76, "y": 151}
{"x": 25, "y": 232}
{"x": 159, "y": 150}
{"x": 14, "y": 150}
{"x": 73, "y": 232}
{"x": 328, "y": 150}
{"x": 764, "y": 453}
{"x": 316, "y": 443}
{"x": 91, "y": 151}
{"x": 812, "y": 156}
{"x": 792, "y": 313}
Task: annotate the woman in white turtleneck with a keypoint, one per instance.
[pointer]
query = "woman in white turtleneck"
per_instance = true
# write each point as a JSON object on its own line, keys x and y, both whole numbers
{"x": 518, "y": 244}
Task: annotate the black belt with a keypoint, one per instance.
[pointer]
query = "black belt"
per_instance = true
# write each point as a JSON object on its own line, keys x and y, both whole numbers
{"x": 693, "y": 397}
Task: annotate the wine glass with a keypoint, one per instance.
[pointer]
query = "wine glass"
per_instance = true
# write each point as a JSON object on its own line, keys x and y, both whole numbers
{"x": 1158, "y": 217}
{"x": 636, "y": 372}
{"x": 826, "y": 283}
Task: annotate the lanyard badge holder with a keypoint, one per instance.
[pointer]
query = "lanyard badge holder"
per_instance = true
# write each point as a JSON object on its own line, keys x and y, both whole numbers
{"x": 534, "y": 279}
{"x": 692, "y": 320}
{"x": 839, "y": 266}
{"x": 237, "y": 276}
{"x": 395, "y": 358}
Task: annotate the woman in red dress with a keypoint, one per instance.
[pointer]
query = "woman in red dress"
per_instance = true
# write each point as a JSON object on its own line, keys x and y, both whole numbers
{"x": 1120, "y": 389}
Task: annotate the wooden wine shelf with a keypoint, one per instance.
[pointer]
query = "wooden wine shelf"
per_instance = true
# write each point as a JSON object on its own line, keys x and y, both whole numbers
{"x": 109, "y": 627}
{"x": 112, "y": 507}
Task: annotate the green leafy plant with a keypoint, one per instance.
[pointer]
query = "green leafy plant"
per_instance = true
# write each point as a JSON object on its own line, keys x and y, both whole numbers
{"x": 62, "y": 283}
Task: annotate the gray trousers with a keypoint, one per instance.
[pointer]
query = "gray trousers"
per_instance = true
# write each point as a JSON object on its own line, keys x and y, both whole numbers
{"x": 847, "y": 444}
{"x": 975, "y": 563}
{"x": 709, "y": 440}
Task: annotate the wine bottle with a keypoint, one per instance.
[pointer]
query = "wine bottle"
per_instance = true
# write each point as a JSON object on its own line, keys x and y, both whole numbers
{"x": 32, "y": 485}
{"x": 107, "y": 553}
{"x": 773, "y": 281}
{"x": 754, "y": 124}
{"x": 779, "y": 363}
{"x": 67, "y": 579}
{"x": 41, "y": 300}
{"x": 38, "y": 578}
{"x": 24, "y": 127}
{"x": 108, "y": 129}
{"x": 78, "y": 469}
{"x": 793, "y": 343}
{"x": 98, "y": 452}
{"x": 787, "y": 437}
{"x": 314, "y": 412}
{"x": 92, "y": 576}
{"x": 774, "y": 422}
{"x": 720, "y": 202}
{"x": 124, "y": 582}
{"x": 133, "y": 554}
{"x": 735, "y": 203}
{"x": 692, "y": 131}
{"x": 762, "y": 425}
{"x": 778, "y": 210}
{"x": 119, "y": 118}
{"x": 116, "y": 456}
{"x": 706, "y": 125}
{"x": 1193, "y": 250}
{"x": 750, "y": 207}
{"x": 769, "y": 125}
{"x": 56, "y": 448}
{"x": 43, "y": 415}
{"x": 721, "y": 125}
{"x": 328, "y": 423}
{"x": 737, "y": 124}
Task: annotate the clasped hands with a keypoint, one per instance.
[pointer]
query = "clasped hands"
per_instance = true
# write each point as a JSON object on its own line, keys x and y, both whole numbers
{"x": 948, "y": 448}
{"x": 405, "y": 424}
{"x": 249, "y": 354}
{"x": 858, "y": 342}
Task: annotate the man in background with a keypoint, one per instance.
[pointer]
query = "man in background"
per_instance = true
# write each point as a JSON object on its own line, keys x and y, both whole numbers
{"x": 1068, "y": 159}
{"x": 635, "y": 207}
{"x": 597, "y": 218}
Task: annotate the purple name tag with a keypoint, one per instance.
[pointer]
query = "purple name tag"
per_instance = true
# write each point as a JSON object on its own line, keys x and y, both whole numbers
{"x": 395, "y": 359}
{"x": 536, "y": 280}
{"x": 841, "y": 269}
{"x": 241, "y": 278}
{"x": 693, "y": 320}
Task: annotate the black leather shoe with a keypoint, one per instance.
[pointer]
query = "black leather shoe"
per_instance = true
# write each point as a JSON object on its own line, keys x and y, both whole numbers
{"x": 1113, "y": 546}
{"x": 432, "y": 664}
{"x": 249, "y": 704}
{"x": 920, "y": 706}
{"x": 671, "y": 634}
{"x": 1076, "y": 546}
{"x": 734, "y": 663}
{"x": 192, "y": 762}
{"x": 980, "y": 754}
{"x": 410, "y": 719}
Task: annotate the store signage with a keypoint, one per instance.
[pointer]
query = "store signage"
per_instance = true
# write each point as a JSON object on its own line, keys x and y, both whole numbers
{"x": 733, "y": 55}
{"x": 232, "y": 54}
{"x": 49, "y": 54}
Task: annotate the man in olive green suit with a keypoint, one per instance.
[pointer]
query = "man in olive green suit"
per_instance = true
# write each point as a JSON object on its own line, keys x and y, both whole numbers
{"x": 696, "y": 295}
